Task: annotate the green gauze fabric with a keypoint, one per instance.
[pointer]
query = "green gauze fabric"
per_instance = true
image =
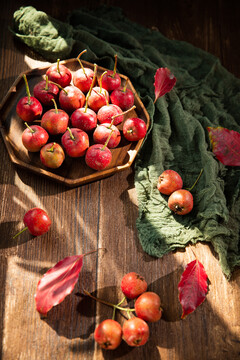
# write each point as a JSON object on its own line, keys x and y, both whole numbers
{"x": 206, "y": 94}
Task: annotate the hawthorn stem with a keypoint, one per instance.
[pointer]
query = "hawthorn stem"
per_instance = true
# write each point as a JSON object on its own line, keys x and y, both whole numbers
{"x": 80, "y": 63}
{"x": 59, "y": 86}
{"x": 115, "y": 66}
{"x": 107, "y": 302}
{"x": 107, "y": 102}
{"x": 70, "y": 133}
{"x": 55, "y": 105}
{"x": 46, "y": 87}
{"x": 122, "y": 113}
{"x": 51, "y": 148}
{"x": 121, "y": 301}
{"x": 29, "y": 128}
{"x": 100, "y": 81}
{"x": 58, "y": 68}
{"x": 27, "y": 89}
{"x": 125, "y": 86}
{"x": 109, "y": 136}
{"x": 91, "y": 87}
{"x": 20, "y": 232}
{"x": 190, "y": 189}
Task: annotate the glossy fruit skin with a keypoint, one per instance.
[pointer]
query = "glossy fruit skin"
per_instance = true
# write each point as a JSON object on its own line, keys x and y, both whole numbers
{"x": 84, "y": 120}
{"x": 75, "y": 147}
{"x": 148, "y": 307}
{"x": 106, "y": 112}
{"x": 63, "y": 77}
{"x": 97, "y": 99}
{"x": 33, "y": 141}
{"x": 133, "y": 285}
{"x": 37, "y": 221}
{"x": 83, "y": 81}
{"x": 111, "y": 81}
{"x": 55, "y": 122}
{"x": 96, "y": 158}
{"x": 73, "y": 100}
{"x": 101, "y": 133}
{"x": 169, "y": 181}
{"x": 52, "y": 155}
{"x": 180, "y": 202}
{"x": 134, "y": 129}
{"x": 124, "y": 99}
{"x": 108, "y": 334}
{"x": 43, "y": 95}
{"x": 135, "y": 332}
{"x": 29, "y": 112}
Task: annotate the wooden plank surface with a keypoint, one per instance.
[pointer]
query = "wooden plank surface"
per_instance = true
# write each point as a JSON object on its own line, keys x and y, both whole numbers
{"x": 103, "y": 215}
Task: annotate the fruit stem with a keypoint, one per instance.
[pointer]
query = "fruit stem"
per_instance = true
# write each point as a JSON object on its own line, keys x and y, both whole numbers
{"x": 107, "y": 302}
{"x": 121, "y": 301}
{"x": 58, "y": 68}
{"x": 70, "y": 133}
{"x": 20, "y": 232}
{"x": 46, "y": 87}
{"x": 115, "y": 66}
{"x": 80, "y": 63}
{"x": 29, "y": 128}
{"x": 190, "y": 189}
{"x": 55, "y": 105}
{"x": 51, "y": 148}
{"x": 107, "y": 102}
{"x": 122, "y": 113}
{"x": 59, "y": 86}
{"x": 91, "y": 87}
{"x": 100, "y": 81}
{"x": 27, "y": 89}
{"x": 125, "y": 86}
{"x": 105, "y": 145}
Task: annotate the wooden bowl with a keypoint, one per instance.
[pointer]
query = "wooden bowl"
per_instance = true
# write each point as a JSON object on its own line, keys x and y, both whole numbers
{"x": 73, "y": 172}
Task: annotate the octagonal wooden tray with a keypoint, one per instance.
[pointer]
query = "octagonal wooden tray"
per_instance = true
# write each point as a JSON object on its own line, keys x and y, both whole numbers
{"x": 73, "y": 172}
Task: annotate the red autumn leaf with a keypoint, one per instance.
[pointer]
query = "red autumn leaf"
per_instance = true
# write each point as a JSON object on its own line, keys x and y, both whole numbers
{"x": 57, "y": 283}
{"x": 192, "y": 287}
{"x": 164, "y": 82}
{"x": 225, "y": 145}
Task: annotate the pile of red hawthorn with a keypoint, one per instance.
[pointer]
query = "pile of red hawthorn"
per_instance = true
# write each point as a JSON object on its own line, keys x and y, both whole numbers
{"x": 135, "y": 331}
{"x": 89, "y": 105}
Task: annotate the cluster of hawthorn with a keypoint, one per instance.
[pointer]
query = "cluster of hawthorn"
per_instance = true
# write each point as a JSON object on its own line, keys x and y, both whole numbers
{"x": 135, "y": 331}
{"x": 90, "y": 108}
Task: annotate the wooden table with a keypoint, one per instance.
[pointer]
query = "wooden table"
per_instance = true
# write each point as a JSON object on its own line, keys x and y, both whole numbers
{"x": 103, "y": 215}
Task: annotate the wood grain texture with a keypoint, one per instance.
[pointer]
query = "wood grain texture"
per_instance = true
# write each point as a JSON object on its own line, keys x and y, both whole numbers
{"x": 103, "y": 215}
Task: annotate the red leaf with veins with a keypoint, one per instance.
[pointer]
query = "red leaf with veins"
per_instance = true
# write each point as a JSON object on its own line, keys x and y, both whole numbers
{"x": 164, "y": 82}
{"x": 192, "y": 287}
{"x": 57, "y": 283}
{"x": 225, "y": 145}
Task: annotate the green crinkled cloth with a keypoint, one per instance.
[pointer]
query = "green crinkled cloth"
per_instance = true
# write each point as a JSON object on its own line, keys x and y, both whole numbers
{"x": 206, "y": 94}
